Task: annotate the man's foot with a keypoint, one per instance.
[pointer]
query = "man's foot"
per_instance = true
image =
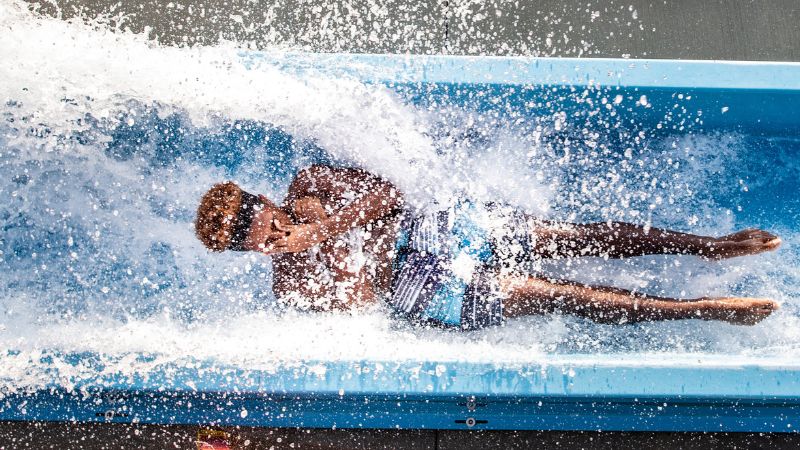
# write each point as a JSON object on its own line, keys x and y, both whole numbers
{"x": 738, "y": 311}
{"x": 746, "y": 242}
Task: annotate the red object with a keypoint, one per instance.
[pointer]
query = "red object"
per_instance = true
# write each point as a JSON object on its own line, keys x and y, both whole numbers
{"x": 209, "y": 439}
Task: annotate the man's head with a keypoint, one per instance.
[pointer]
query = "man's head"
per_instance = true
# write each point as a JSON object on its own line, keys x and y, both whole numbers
{"x": 229, "y": 218}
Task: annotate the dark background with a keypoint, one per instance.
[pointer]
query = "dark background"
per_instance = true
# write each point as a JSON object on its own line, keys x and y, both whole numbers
{"x": 682, "y": 29}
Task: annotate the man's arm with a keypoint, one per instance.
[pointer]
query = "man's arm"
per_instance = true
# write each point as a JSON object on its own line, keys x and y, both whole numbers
{"x": 332, "y": 185}
{"x": 350, "y": 285}
{"x": 368, "y": 198}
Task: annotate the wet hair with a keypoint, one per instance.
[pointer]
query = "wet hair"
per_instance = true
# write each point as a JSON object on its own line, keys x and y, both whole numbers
{"x": 224, "y": 217}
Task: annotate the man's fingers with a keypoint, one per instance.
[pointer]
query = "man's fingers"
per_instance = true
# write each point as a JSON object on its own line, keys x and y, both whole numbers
{"x": 281, "y": 227}
{"x": 278, "y": 243}
{"x": 274, "y": 242}
{"x": 273, "y": 247}
{"x": 278, "y": 225}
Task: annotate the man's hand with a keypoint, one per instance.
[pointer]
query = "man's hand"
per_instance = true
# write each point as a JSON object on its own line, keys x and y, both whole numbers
{"x": 309, "y": 209}
{"x": 296, "y": 238}
{"x": 365, "y": 197}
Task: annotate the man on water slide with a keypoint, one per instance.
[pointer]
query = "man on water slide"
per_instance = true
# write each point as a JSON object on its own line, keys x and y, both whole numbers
{"x": 343, "y": 239}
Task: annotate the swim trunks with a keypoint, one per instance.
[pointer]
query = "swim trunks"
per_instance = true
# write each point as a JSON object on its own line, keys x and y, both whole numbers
{"x": 446, "y": 261}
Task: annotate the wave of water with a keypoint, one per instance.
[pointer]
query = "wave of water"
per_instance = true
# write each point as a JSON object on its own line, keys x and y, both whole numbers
{"x": 108, "y": 140}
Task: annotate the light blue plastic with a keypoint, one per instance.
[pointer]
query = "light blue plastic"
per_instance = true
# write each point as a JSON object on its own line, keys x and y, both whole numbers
{"x": 575, "y": 393}
{"x": 566, "y": 392}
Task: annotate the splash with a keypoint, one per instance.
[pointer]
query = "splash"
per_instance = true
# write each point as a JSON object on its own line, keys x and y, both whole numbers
{"x": 108, "y": 139}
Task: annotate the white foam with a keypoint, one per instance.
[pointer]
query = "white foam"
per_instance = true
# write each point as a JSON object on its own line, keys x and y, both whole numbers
{"x": 99, "y": 253}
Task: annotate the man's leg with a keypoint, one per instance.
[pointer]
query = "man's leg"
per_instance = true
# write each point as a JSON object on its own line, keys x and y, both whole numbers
{"x": 622, "y": 240}
{"x": 530, "y": 295}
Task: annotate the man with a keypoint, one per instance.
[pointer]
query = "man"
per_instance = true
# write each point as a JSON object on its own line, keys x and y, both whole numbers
{"x": 343, "y": 239}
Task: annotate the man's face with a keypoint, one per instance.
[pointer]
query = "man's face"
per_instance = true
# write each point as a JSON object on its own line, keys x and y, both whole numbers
{"x": 266, "y": 225}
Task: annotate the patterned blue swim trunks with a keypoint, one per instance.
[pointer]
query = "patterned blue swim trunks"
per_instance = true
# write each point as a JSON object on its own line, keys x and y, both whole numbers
{"x": 446, "y": 262}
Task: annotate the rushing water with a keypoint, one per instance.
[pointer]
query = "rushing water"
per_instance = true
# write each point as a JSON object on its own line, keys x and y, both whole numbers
{"x": 108, "y": 140}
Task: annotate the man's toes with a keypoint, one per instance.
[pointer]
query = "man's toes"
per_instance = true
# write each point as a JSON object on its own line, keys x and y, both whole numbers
{"x": 769, "y": 305}
{"x": 749, "y": 234}
{"x": 773, "y": 243}
{"x": 757, "y": 245}
{"x": 763, "y": 235}
{"x": 760, "y": 303}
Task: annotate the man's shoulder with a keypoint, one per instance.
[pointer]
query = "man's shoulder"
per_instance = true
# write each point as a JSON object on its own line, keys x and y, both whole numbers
{"x": 317, "y": 170}
{"x": 329, "y": 172}
{"x": 314, "y": 180}
{"x": 309, "y": 173}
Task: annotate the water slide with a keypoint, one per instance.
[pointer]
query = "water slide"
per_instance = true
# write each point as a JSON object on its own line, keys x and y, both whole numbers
{"x": 112, "y": 311}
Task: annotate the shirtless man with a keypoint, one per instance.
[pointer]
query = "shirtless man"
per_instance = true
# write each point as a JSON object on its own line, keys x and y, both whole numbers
{"x": 461, "y": 267}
